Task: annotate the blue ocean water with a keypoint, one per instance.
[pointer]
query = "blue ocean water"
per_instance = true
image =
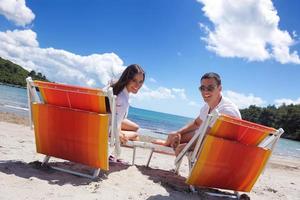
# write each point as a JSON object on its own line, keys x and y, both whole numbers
{"x": 155, "y": 124}
{"x": 13, "y": 99}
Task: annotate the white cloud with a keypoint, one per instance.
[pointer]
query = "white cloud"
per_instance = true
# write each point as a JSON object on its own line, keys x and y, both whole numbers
{"x": 164, "y": 99}
{"x": 247, "y": 29}
{"x": 242, "y": 100}
{"x": 16, "y": 11}
{"x": 295, "y": 34}
{"x": 17, "y": 38}
{"x": 159, "y": 93}
{"x": 22, "y": 47}
{"x": 180, "y": 93}
{"x": 193, "y": 103}
{"x": 279, "y": 102}
{"x": 152, "y": 80}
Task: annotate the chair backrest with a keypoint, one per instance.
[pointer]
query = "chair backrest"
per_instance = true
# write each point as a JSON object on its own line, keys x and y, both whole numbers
{"x": 75, "y": 97}
{"x": 230, "y": 156}
{"x": 239, "y": 130}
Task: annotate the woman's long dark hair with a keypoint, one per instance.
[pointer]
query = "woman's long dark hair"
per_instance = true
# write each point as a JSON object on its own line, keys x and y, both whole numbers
{"x": 127, "y": 75}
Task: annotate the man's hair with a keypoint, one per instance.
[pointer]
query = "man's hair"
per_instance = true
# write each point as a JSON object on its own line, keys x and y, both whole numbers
{"x": 212, "y": 75}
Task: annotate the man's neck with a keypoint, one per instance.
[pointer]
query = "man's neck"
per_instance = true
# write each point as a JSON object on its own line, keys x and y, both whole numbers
{"x": 213, "y": 105}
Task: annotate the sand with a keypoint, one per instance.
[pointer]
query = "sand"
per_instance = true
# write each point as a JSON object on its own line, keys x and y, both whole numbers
{"x": 22, "y": 177}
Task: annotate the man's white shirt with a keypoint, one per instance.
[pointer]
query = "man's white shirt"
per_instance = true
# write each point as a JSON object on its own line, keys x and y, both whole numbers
{"x": 225, "y": 106}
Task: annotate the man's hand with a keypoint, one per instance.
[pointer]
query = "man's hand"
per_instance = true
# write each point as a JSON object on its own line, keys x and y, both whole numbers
{"x": 174, "y": 139}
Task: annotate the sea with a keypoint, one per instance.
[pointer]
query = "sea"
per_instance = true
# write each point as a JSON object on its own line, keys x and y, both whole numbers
{"x": 152, "y": 123}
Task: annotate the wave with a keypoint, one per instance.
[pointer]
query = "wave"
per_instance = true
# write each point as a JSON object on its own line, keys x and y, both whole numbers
{"x": 16, "y": 107}
{"x": 160, "y": 132}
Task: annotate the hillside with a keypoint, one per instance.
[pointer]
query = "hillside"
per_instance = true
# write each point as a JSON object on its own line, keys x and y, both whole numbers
{"x": 13, "y": 74}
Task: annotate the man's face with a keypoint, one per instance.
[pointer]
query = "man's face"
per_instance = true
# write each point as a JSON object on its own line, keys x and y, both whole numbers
{"x": 210, "y": 91}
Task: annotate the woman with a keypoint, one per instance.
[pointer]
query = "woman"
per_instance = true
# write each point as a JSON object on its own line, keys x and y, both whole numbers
{"x": 130, "y": 81}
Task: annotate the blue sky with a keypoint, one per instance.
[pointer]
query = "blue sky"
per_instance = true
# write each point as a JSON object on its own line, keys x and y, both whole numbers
{"x": 252, "y": 44}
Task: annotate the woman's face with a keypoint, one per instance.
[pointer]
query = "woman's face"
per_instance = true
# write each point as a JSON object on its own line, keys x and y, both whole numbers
{"x": 135, "y": 84}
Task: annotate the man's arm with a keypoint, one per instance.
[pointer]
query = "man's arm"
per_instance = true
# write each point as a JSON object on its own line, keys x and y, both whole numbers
{"x": 190, "y": 127}
{"x": 184, "y": 132}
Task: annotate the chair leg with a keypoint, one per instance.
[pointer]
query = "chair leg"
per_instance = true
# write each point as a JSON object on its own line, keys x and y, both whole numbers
{"x": 151, "y": 153}
{"x": 193, "y": 189}
{"x": 190, "y": 164}
{"x": 231, "y": 196}
{"x": 96, "y": 173}
{"x": 237, "y": 194}
{"x": 133, "y": 155}
{"x": 178, "y": 166}
{"x": 46, "y": 160}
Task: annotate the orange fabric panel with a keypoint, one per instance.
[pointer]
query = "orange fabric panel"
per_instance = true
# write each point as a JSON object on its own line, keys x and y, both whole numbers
{"x": 75, "y": 97}
{"x": 74, "y": 135}
{"x": 228, "y": 165}
{"x": 240, "y": 130}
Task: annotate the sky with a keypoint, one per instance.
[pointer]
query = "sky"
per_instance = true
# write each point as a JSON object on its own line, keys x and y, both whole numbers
{"x": 253, "y": 45}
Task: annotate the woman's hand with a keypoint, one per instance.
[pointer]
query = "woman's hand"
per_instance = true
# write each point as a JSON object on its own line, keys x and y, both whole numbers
{"x": 123, "y": 138}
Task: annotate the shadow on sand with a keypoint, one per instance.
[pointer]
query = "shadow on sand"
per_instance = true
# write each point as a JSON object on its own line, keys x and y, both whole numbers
{"x": 35, "y": 169}
{"x": 175, "y": 183}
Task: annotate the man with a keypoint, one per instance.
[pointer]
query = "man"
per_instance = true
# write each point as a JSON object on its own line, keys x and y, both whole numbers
{"x": 211, "y": 92}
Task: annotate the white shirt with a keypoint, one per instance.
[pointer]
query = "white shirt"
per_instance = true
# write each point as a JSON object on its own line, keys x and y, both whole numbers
{"x": 224, "y": 107}
{"x": 122, "y": 106}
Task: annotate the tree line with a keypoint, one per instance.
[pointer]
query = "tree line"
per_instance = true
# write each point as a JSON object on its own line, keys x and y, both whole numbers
{"x": 13, "y": 74}
{"x": 285, "y": 116}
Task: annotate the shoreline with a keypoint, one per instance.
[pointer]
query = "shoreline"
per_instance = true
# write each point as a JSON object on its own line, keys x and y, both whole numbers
{"x": 14, "y": 118}
{"x": 12, "y": 85}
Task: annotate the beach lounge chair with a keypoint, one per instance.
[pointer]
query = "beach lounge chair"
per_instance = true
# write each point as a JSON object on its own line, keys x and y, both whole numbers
{"x": 230, "y": 155}
{"x": 73, "y": 123}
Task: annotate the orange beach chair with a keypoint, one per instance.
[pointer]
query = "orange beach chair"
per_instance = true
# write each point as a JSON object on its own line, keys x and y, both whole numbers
{"x": 73, "y": 123}
{"x": 230, "y": 155}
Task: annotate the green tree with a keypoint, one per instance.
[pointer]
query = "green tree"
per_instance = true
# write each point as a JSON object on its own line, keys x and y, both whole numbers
{"x": 14, "y": 74}
{"x": 285, "y": 116}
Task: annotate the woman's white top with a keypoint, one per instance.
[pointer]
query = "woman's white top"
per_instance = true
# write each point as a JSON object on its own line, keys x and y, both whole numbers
{"x": 122, "y": 106}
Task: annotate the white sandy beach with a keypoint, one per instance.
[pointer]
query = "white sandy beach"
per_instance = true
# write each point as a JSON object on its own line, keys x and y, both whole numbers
{"x": 21, "y": 176}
